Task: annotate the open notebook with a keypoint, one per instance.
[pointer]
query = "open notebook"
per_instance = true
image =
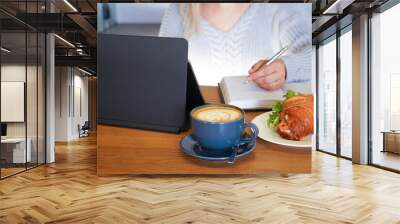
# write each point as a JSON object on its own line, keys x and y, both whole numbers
{"x": 237, "y": 92}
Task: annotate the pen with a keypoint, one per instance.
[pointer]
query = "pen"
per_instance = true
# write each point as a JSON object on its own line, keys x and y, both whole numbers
{"x": 276, "y": 56}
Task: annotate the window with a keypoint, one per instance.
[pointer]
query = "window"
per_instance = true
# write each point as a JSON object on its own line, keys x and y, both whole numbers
{"x": 327, "y": 97}
{"x": 333, "y": 137}
{"x": 22, "y": 77}
{"x": 385, "y": 89}
{"x": 346, "y": 93}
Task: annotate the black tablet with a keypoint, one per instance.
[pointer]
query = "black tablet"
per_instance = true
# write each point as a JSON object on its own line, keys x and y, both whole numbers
{"x": 145, "y": 82}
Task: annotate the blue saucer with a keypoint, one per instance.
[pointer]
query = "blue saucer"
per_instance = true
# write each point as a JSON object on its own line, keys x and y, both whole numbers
{"x": 190, "y": 147}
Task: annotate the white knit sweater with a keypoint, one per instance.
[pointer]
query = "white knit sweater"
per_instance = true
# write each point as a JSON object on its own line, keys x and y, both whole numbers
{"x": 259, "y": 33}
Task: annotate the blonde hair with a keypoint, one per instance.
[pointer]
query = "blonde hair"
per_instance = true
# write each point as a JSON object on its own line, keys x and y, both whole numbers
{"x": 190, "y": 13}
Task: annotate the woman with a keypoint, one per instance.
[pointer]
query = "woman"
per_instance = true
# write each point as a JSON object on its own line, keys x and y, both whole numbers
{"x": 230, "y": 38}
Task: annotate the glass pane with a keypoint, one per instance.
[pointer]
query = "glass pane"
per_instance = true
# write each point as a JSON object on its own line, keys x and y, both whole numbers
{"x": 31, "y": 98}
{"x": 22, "y": 89}
{"x": 41, "y": 98}
{"x": 31, "y": 88}
{"x": 385, "y": 86}
{"x": 346, "y": 94}
{"x": 13, "y": 87}
{"x": 327, "y": 97}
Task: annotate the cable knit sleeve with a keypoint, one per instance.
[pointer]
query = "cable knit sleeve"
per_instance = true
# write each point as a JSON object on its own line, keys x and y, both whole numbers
{"x": 295, "y": 30}
{"x": 171, "y": 25}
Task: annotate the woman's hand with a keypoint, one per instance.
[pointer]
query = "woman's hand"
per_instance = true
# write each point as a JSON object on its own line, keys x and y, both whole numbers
{"x": 269, "y": 77}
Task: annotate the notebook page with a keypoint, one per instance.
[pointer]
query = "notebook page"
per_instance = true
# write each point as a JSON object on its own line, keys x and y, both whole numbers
{"x": 238, "y": 89}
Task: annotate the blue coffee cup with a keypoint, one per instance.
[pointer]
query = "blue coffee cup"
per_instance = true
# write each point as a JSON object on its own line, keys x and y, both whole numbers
{"x": 221, "y": 136}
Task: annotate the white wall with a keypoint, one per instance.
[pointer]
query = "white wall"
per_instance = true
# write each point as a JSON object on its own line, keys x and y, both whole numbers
{"x": 13, "y": 101}
{"x": 62, "y": 82}
{"x": 79, "y": 117}
{"x": 70, "y": 83}
{"x": 13, "y": 72}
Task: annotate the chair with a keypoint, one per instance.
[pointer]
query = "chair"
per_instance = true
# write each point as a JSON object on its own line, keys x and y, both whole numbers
{"x": 84, "y": 130}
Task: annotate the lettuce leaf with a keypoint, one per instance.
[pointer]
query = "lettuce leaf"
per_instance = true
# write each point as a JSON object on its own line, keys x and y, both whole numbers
{"x": 274, "y": 118}
{"x": 290, "y": 93}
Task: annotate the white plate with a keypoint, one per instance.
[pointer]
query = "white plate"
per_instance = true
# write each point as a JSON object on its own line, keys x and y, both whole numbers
{"x": 269, "y": 134}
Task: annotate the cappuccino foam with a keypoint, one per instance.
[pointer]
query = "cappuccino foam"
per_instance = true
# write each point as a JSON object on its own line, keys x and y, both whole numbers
{"x": 217, "y": 114}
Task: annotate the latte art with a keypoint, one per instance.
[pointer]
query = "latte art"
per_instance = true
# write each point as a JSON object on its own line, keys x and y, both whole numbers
{"x": 217, "y": 114}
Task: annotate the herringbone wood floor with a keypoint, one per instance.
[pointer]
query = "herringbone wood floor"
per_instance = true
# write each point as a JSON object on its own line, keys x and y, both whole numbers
{"x": 70, "y": 192}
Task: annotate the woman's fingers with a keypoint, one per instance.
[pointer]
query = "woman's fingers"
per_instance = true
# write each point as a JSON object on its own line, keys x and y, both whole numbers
{"x": 257, "y": 66}
{"x": 274, "y": 85}
{"x": 265, "y": 70}
{"x": 268, "y": 82}
{"x": 270, "y": 78}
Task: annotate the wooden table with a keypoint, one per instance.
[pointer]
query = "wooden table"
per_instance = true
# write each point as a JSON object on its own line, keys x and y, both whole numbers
{"x": 391, "y": 141}
{"x": 133, "y": 151}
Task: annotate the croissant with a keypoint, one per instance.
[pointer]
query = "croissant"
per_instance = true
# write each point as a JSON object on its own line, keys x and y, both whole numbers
{"x": 297, "y": 117}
